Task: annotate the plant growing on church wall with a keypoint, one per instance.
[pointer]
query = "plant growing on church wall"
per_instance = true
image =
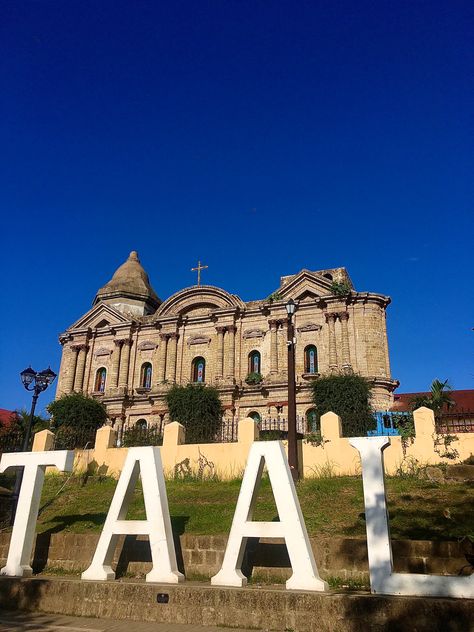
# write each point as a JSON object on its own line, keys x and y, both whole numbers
{"x": 340, "y": 288}
{"x": 198, "y": 408}
{"x": 75, "y": 410}
{"x": 349, "y": 397}
{"x": 254, "y": 378}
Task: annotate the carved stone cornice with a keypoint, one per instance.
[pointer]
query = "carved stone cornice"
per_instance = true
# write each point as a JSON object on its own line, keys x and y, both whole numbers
{"x": 146, "y": 345}
{"x": 126, "y": 341}
{"x": 198, "y": 340}
{"x": 308, "y": 327}
{"x": 102, "y": 352}
{"x": 253, "y": 333}
{"x": 274, "y": 322}
{"x": 80, "y": 347}
{"x": 331, "y": 316}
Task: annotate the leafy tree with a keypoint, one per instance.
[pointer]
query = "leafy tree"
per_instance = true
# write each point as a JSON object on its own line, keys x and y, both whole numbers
{"x": 439, "y": 398}
{"x": 198, "y": 408}
{"x": 349, "y": 397}
{"x": 77, "y": 409}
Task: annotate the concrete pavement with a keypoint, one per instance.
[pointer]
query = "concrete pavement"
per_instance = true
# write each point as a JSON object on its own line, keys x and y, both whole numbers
{"x": 29, "y": 622}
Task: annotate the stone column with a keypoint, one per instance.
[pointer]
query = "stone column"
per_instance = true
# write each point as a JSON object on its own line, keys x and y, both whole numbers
{"x": 162, "y": 358}
{"x": 72, "y": 365}
{"x": 231, "y": 329}
{"x": 346, "y": 356}
{"x": 331, "y": 319}
{"x": 220, "y": 352}
{"x": 80, "y": 366}
{"x": 124, "y": 363}
{"x": 172, "y": 357}
{"x": 273, "y": 346}
{"x": 114, "y": 369}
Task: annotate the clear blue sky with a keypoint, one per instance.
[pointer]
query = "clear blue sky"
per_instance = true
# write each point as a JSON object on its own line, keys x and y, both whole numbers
{"x": 260, "y": 137}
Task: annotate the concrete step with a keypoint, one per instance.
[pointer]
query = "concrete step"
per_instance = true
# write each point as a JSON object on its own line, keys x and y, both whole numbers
{"x": 266, "y": 608}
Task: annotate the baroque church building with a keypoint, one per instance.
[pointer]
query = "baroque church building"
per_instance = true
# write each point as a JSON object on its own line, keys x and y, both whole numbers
{"x": 131, "y": 346}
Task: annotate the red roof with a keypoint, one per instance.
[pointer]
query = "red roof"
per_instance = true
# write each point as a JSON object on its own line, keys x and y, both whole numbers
{"x": 464, "y": 400}
{"x": 7, "y": 417}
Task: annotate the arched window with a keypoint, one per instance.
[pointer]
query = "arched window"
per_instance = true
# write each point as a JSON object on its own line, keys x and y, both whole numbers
{"x": 145, "y": 377}
{"x": 310, "y": 359}
{"x": 255, "y": 416}
{"x": 327, "y": 275}
{"x": 141, "y": 424}
{"x": 312, "y": 421}
{"x": 254, "y": 362}
{"x": 199, "y": 370}
{"x": 100, "y": 378}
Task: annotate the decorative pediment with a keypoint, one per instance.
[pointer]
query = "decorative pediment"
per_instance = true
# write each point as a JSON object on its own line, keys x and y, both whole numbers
{"x": 198, "y": 340}
{"x": 102, "y": 352}
{"x": 100, "y": 316}
{"x": 305, "y": 285}
{"x": 254, "y": 333}
{"x": 146, "y": 345}
{"x": 308, "y": 327}
{"x": 198, "y": 300}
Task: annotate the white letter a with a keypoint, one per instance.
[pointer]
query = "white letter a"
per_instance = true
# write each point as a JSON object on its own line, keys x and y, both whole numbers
{"x": 157, "y": 526}
{"x": 291, "y": 526}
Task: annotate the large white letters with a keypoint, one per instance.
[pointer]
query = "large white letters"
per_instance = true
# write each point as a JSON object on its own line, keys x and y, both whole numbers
{"x": 157, "y": 526}
{"x": 382, "y": 578}
{"x": 291, "y": 526}
{"x": 35, "y": 464}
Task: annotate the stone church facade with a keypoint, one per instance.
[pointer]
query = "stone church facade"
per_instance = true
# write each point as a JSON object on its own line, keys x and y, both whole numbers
{"x": 131, "y": 346}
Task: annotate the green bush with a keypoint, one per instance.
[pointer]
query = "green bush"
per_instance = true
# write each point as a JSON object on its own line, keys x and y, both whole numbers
{"x": 254, "y": 378}
{"x": 198, "y": 408}
{"x": 340, "y": 288}
{"x": 77, "y": 409}
{"x": 349, "y": 397}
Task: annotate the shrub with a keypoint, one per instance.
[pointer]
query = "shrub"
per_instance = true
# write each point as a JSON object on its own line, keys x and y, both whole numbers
{"x": 198, "y": 408}
{"x": 77, "y": 409}
{"x": 349, "y": 397}
{"x": 340, "y": 288}
{"x": 254, "y": 378}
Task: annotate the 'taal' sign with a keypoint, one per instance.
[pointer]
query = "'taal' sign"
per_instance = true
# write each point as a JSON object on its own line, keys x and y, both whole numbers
{"x": 146, "y": 462}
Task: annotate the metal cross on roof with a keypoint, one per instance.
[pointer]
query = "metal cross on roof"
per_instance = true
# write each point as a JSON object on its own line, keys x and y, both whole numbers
{"x": 198, "y": 270}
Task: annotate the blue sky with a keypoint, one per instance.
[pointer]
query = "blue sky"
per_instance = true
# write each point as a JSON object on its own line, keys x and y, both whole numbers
{"x": 260, "y": 137}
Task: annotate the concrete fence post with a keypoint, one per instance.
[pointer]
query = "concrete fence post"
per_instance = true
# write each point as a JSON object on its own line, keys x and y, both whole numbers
{"x": 105, "y": 438}
{"x": 331, "y": 426}
{"x": 43, "y": 441}
{"x": 424, "y": 422}
{"x": 248, "y": 431}
{"x": 174, "y": 434}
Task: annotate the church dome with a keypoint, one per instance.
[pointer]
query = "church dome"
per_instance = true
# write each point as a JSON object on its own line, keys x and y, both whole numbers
{"x": 130, "y": 283}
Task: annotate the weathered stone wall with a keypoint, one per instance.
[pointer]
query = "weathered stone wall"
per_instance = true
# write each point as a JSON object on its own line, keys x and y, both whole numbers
{"x": 200, "y": 557}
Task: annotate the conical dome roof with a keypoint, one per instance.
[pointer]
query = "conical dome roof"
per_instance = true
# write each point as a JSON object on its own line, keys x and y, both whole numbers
{"x": 130, "y": 281}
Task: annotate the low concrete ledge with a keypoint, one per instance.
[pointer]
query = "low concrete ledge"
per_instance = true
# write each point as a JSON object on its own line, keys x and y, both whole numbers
{"x": 259, "y": 608}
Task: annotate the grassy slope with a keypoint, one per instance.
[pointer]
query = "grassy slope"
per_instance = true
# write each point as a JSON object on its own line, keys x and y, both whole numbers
{"x": 331, "y": 506}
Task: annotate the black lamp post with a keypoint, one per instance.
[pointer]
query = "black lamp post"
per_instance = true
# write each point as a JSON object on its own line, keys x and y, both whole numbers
{"x": 292, "y": 442}
{"x": 37, "y": 382}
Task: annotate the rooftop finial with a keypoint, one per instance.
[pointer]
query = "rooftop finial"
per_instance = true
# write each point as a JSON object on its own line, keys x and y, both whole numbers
{"x": 133, "y": 256}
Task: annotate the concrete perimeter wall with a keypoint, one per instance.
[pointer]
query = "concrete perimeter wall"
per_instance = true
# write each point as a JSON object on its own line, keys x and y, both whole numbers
{"x": 334, "y": 456}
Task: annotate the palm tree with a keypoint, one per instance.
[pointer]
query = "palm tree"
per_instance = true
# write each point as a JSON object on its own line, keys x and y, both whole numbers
{"x": 438, "y": 399}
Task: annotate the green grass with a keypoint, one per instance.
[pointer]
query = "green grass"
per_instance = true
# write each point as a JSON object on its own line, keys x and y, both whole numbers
{"x": 419, "y": 509}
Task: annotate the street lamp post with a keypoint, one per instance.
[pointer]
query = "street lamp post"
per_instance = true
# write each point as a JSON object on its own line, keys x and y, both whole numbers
{"x": 292, "y": 441}
{"x": 37, "y": 382}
